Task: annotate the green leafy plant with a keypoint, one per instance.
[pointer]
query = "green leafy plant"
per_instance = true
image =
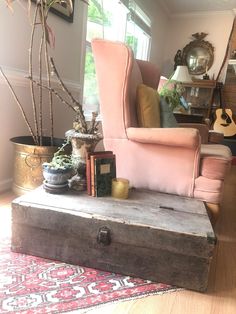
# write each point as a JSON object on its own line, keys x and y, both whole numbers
{"x": 172, "y": 93}
{"x": 60, "y": 160}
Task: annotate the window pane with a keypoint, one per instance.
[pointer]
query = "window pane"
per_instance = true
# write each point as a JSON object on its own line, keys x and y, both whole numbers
{"x": 90, "y": 84}
{"x": 110, "y": 19}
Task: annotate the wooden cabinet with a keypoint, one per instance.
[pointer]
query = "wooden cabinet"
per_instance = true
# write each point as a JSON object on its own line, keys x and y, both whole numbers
{"x": 188, "y": 117}
{"x": 199, "y": 95}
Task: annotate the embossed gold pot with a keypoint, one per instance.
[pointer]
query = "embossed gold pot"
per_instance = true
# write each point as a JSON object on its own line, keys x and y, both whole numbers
{"x": 28, "y": 160}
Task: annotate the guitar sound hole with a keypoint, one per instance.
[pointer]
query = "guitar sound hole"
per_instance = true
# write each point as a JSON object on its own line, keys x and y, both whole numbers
{"x": 228, "y": 120}
{"x": 226, "y": 117}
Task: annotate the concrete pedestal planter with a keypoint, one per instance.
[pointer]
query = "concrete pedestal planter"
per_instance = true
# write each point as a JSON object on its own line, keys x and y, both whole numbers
{"x": 81, "y": 145}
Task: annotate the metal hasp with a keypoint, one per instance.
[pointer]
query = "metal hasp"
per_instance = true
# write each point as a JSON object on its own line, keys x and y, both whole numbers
{"x": 104, "y": 236}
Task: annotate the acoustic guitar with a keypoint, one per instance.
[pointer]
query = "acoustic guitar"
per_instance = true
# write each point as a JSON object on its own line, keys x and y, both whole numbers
{"x": 224, "y": 122}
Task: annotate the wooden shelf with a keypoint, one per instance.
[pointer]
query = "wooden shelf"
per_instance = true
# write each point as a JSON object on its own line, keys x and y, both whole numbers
{"x": 199, "y": 107}
{"x": 200, "y": 94}
{"x": 201, "y": 84}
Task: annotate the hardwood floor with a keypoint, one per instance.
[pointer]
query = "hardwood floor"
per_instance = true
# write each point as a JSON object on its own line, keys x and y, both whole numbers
{"x": 220, "y": 297}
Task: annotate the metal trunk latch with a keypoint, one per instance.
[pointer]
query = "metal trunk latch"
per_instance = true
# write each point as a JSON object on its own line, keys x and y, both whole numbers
{"x": 104, "y": 236}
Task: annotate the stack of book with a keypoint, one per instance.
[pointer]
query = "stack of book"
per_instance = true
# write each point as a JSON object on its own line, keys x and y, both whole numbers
{"x": 100, "y": 170}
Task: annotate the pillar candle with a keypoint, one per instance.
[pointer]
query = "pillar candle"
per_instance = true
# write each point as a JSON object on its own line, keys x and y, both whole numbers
{"x": 120, "y": 188}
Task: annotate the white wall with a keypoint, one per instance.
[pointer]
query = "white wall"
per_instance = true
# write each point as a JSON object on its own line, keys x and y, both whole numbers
{"x": 159, "y": 29}
{"x": 68, "y": 55}
{"x": 217, "y": 25}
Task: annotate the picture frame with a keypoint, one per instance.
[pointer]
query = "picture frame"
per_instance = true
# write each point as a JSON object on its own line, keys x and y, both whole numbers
{"x": 61, "y": 11}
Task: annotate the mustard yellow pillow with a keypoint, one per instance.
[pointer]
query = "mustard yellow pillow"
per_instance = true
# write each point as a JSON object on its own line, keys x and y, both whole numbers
{"x": 148, "y": 107}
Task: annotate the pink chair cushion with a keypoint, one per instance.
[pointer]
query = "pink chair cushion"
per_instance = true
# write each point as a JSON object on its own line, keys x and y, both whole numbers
{"x": 150, "y": 73}
{"x": 208, "y": 190}
{"x": 148, "y": 107}
{"x": 214, "y": 161}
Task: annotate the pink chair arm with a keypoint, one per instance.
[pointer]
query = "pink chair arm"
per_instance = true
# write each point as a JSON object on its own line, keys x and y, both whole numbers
{"x": 179, "y": 137}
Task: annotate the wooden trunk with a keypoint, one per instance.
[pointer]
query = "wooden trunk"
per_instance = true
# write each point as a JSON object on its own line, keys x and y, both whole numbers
{"x": 155, "y": 236}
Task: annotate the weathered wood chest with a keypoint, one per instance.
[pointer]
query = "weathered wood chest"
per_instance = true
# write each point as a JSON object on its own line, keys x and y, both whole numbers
{"x": 155, "y": 236}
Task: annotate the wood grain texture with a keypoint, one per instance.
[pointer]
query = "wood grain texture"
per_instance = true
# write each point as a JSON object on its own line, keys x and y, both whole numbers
{"x": 154, "y": 236}
{"x": 220, "y": 297}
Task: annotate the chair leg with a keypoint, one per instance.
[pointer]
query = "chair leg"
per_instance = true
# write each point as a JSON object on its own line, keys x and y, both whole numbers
{"x": 213, "y": 211}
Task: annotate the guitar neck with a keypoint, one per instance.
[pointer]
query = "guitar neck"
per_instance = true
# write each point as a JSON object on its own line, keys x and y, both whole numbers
{"x": 219, "y": 86}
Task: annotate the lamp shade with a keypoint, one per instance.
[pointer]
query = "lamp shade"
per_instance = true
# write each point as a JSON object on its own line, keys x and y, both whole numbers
{"x": 181, "y": 74}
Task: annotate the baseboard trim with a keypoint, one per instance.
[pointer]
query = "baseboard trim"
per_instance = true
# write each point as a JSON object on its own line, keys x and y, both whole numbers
{"x": 5, "y": 185}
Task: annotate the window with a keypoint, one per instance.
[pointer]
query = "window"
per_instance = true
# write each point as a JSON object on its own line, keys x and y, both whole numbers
{"x": 115, "y": 20}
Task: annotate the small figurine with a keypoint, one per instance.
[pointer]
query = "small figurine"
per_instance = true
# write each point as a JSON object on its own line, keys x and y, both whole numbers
{"x": 178, "y": 59}
{"x": 206, "y": 76}
{"x": 233, "y": 54}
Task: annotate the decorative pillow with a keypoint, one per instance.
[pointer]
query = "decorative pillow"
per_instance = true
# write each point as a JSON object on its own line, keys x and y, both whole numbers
{"x": 148, "y": 107}
{"x": 167, "y": 117}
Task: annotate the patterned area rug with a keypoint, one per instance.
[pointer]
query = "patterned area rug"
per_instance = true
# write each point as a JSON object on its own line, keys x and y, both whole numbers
{"x": 30, "y": 284}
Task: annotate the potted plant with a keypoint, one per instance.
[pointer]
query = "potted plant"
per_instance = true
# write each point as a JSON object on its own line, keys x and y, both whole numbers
{"x": 57, "y": 172}
{"x": 172, "y": 94}
{"x": 39, "y": 147}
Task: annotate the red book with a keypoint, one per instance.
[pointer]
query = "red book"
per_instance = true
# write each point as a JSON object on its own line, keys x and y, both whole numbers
{"x": 88, "y": 166}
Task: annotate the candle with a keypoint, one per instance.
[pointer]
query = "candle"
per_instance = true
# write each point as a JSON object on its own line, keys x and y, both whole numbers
{"x": 120, "y": 188}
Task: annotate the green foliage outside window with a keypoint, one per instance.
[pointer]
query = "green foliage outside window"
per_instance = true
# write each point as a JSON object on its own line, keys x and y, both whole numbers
{"x": 90, "y": 83}
{"x": 100, "y": 19}
{"x": 96, "y": 13}
{"x": 98, "y": 16}
{"x": 132, "y": 42}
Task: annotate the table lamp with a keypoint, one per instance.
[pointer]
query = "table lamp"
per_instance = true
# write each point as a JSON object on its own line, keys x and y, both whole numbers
{"x": 181, "y": 74}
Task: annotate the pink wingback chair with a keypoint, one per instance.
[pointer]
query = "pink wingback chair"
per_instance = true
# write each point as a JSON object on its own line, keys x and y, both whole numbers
{"x": 168, "y": 160}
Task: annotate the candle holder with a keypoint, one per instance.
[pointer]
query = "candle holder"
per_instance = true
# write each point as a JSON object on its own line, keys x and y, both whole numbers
{"x": 120, "y": 188}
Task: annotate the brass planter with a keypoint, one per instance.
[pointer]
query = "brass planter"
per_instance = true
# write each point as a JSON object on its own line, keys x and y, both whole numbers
{"x": 28, "y": 160}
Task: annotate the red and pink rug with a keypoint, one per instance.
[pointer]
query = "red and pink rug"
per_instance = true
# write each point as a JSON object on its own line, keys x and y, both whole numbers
{"x": 30, "y": 284}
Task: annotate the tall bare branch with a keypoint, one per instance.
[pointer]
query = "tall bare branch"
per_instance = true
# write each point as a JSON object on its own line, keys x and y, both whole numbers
{"x": 31, "y": 73}
{"x": 55, "y": 93}
{"x": 40, "y": 104}
{"x": 20, "y": 106}
{"x": 50, "y": 98}
{"x": 80, "y": 111}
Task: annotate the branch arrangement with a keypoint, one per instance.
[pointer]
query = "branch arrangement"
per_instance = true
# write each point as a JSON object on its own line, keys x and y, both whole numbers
{"x": 40, "y": 20}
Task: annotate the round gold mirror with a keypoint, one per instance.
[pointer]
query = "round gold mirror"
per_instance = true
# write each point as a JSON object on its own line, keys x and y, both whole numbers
{"x": 198, "y": 55}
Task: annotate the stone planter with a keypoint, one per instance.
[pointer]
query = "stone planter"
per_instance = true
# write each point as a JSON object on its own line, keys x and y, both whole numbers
{"x": 81, "y": 145}
{"x": 57, "y": 176}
